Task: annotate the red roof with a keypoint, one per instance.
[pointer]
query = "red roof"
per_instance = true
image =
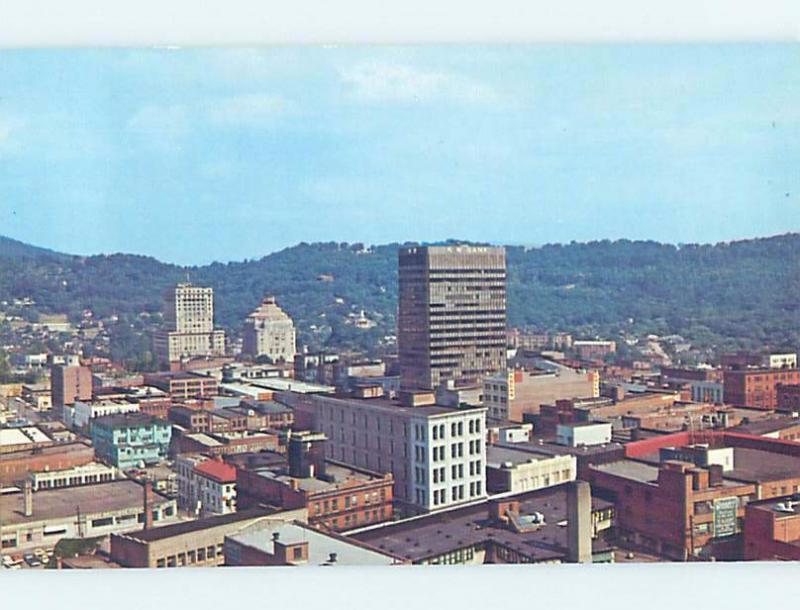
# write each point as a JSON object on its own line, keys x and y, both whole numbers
{"x": 217, "y": 470}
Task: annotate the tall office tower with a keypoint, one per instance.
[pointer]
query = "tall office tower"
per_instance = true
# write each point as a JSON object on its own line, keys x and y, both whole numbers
{"x": 189, "y": 325}
{"x": 269, "y": 331}
{"x": 452, "y": 314}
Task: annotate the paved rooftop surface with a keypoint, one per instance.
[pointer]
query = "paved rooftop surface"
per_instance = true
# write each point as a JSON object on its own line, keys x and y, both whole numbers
{"x": 188, "y": 527}
{"x": 442, "y": 532}
{"x": 497, "y": 455}
{"x": 630, "y": 469}
{"x": 51, "y": 504}
{"x": 339, "y": 473}
{"x": 320, "y": 545}
{"x": 753, "y": 465}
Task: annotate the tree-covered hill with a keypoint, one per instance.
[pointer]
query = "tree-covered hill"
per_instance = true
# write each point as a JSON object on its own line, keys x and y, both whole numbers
{"x": 742, "y": 293}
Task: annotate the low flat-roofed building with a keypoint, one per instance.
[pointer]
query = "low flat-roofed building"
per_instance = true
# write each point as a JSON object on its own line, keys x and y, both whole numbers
{"x": 81, "y": 414}
{"x": 280, "y": 543}
{"x": 339, "y": 498}
{"x": 280, "y": 384}
{"x": 129, "y": 439}
{"x": 515, "y": 471}
{"x": 224, "y": 443}
{"x": 532, "y": 527}
{"x": 22, "y": 438}
{"x": 197, "y": 543}
{"x": 183, "y": 384}
{"x": 584, "y": 456}
{"x": 580, "y": 434}
{"x": 84, "y": 511}
{"x": 17, "y": 465}
{"x": 785, "y": 428}
{"x": 87, "y": 474}
{"x": 772, "y": 530}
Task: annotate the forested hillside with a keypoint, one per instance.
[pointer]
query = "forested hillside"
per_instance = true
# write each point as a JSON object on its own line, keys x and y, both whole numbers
{"x": 742, "y": 293}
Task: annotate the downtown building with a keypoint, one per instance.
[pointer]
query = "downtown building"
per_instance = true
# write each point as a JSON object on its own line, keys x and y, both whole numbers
{"x": 269, "y": 331}
{"x": 452, "y": 314}
{"x": 437, "y": 455}
{"x": 188, "y": 326}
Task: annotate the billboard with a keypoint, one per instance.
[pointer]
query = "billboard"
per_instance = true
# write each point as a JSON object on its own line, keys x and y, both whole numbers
{"x": 725, "y": 516}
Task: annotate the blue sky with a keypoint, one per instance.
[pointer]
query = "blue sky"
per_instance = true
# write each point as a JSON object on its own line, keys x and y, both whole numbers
{"x": 200, "y": 155}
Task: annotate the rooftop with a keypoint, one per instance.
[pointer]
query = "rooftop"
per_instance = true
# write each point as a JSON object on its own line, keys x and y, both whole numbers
{"x": 755, "y": 465}
{"x": 280, "y": 384}
{"x": 631, "y": 469}
{"x": 217, "y": 470}
{"x": 339, "y": 475}
{"x": 320, "y": 545}
{"x": 203, "y": 439}
{"x": 198, "y": 525}
{"x": 445, "y": 531}
{"x": 392, "y": 406}
{"x": 128, "y": 420}
{"x": 548, "y": 447}
{"x": 53, "y": 504}
{"x": 497, "y": 455}
{"x": 766, "y": 426}
{"x": 23, "y": 436}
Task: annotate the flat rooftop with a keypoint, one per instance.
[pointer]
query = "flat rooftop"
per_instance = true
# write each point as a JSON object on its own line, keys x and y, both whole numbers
{"x": 280, "y": 384}
{"x": 548, "y": 447}
{"x": 339, "y": 473}
{"x": 54, "y": 504}
{"x": 22, "y": 436}
{"x": 320, "y": 545}
{"x": 497, "y": 455}
{"x": 60, "y": 448}
{"x": 767, "y": 426}
{"x": 630, "y": 469}
{"x": 393, "y": 406}
{"x": 754, "y": 465}
{"x": 187, "y": 527}
{"x": 435, "y": 534}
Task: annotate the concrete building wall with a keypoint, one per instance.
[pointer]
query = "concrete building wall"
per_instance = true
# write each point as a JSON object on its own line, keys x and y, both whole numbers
{"x": 401, "y": 441}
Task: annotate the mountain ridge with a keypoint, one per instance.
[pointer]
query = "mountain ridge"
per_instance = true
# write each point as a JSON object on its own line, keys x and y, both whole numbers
{"x": 737, "y": 293}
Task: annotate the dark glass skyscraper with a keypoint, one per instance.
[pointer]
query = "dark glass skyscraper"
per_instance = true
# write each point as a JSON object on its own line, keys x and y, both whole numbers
{"x": 452, "y": 314}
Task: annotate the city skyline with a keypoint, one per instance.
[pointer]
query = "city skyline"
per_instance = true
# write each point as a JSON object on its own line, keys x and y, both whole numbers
{"x": 192, "y": 156}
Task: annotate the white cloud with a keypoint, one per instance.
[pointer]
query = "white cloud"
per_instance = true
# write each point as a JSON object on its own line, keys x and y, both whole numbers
{"x": 253, "y": 109}
{"x": 382, "y": 81}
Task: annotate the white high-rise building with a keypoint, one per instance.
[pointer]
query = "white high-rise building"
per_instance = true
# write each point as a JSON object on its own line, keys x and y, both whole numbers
{"x": 189, "y": 325}
{"x": 269, "y": 331}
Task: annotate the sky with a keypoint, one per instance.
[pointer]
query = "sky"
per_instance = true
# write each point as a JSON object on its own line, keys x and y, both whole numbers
{"x": 197, "y": 155}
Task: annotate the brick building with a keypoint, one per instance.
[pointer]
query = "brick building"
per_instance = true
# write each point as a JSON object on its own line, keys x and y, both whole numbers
{"x": 772, "y": 530}
{"x": 16, "y": 465}
{"x": 337, "y": 497}
{"x": 788, "y": 397}
{"x": 694, "y": 505}
{"x": 69, "y": 384}
{"x": 183, "y": 384}
{"x": 189, "y": 543}
{"x": 757, "y": 387}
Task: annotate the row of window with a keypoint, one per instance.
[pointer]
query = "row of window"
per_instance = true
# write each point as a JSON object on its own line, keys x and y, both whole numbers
{"x": 456, "y": 493}
{"x": 190, "y": 557}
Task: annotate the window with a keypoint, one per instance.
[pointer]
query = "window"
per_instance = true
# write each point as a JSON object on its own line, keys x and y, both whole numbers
{"x": 297, "y": 553}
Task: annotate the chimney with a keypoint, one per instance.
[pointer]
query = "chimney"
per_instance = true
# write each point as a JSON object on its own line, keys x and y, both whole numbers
{"x": 332, "y": 558}
{"x": 148, "y": 504}
{"x": 27, "y": 491}
{"x": 579, "y": 522}
{"x": 715, "y": 475}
